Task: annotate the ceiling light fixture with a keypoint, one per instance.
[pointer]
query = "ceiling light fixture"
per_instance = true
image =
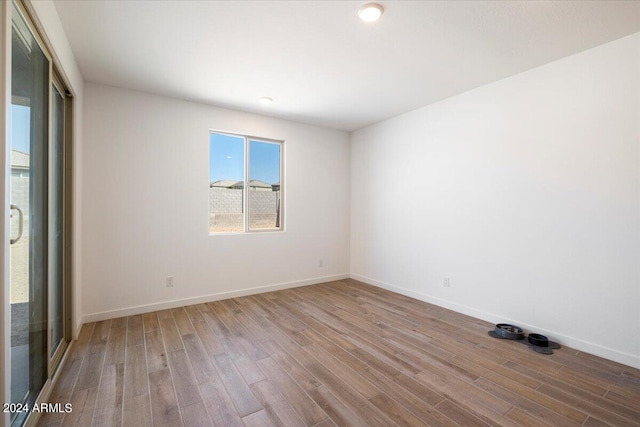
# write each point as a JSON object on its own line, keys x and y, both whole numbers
{"x": 265, "y": 100}
{"x": 370, "y": 12}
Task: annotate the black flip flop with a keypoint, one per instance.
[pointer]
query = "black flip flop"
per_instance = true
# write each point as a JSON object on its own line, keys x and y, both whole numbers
{"x": 541, "y": 344}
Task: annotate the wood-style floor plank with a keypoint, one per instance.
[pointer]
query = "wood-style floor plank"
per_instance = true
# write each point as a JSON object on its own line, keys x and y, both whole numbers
{"x": 170, "y": 335}
{"x": 137, "y": 412}
{"x": 83, "y": 402}
{"x": 299, "y": 374}
{"x": 63, "y": 390}
{"x": 200, "y": 362}
{"x": 183, "y": 378}
{"x": 354, "y": 400}
{"x": 335, "y": 409}
{"x": 459, "y": 415}
{"x": 108, "y": 410}
{"x": 413, "y": 402}
{"x": 219, "y": 404}
{"x": 196, "y": 415}
{"x": 258, "y": 419}
{"x": 99, "y": 336}
{"x": 630, "y": 402}
{"x": 306, "y": 408}
{"x": 335, "y": 354}
{"x": 135, "y": 330}
{"x": 211, "y": 343}
{"x": 150, "y": 321}
{"x": 395, "y": 411}
{"x": 136, "y": 381}
{"x": 345, "y": 373}
{"x": 164, "y": 404}
{"x": 116, "y": 344}
{"x": 194, "y": 313}
{"x": 182, "y": 321}
{"x": 90, "y": 371}
{"x": 276, "y": 405}
{"x": 236, "y": 386}
{"x": 156, "y": 353}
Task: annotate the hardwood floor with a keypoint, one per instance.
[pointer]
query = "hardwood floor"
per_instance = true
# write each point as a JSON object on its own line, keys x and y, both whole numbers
{"x": 340, "y": 353}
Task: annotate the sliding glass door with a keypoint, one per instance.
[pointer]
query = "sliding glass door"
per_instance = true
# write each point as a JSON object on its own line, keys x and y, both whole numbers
{"x": 37, "y": 183}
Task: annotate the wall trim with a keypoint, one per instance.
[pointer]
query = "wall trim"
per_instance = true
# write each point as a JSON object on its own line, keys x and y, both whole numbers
{"x": 576, "y": 343}
{"x": 140, "y": 309}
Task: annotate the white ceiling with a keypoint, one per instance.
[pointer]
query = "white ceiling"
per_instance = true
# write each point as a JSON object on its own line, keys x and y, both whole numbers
{"x": 318, "y": 61}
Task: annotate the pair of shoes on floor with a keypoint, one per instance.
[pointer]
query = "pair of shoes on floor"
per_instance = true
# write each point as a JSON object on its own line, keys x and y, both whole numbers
{"x": 538, "y": 343}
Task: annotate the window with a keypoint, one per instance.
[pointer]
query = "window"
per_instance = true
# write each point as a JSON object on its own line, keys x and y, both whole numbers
{"x": 245, "y": 184}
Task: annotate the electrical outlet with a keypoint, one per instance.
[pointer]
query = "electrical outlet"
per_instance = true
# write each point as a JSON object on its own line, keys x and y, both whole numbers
{"x": 321, "y": 263}
{"x": 169, "y": 281}
{"x": 446, "y": 282}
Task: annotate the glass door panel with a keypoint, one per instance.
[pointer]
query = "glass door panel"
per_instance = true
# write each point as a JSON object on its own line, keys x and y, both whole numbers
{"x": 29, "y": 204}
{"x": 56, "y": 218}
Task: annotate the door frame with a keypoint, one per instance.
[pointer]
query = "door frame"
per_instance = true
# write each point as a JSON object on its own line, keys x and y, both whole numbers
{"x": 67, "y": 219}
{"x": 5, "y": 298}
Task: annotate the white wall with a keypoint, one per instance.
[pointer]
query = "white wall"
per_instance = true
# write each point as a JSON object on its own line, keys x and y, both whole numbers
{"x": 525, "y": 192}
{"x": 145, "y": 205}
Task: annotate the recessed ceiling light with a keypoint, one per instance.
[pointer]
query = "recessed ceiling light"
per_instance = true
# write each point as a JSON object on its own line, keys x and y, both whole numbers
{"x": 265, "y": 100}
{"x": 370, "y": 12}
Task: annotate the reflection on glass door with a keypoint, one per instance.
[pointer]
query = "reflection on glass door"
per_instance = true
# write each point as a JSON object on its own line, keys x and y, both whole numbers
{"x": 29, "y": 217}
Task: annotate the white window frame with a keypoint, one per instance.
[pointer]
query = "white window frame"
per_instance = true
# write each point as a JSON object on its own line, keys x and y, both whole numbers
{"x": 245, "y": 194}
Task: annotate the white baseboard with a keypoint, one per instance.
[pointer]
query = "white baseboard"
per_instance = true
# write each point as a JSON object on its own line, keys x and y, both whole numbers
{"x": 140, "y": 309}
{"x": 578, "y": 344}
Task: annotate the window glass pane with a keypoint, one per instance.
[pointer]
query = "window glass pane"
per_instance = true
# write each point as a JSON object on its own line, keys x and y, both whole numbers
{"x": 29, "y": 202}
{"x": 226, "y": 183}
{"x": 264, "y": 185}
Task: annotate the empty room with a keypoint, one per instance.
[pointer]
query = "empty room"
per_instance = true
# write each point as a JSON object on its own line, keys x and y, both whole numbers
{"x": 320, "y": 213}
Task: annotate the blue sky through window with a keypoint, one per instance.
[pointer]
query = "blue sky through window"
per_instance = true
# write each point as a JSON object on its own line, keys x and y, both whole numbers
{"x": 226, "y": 159}
{"x": 265, "y": 162}
{"x": 20, "y": 128}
